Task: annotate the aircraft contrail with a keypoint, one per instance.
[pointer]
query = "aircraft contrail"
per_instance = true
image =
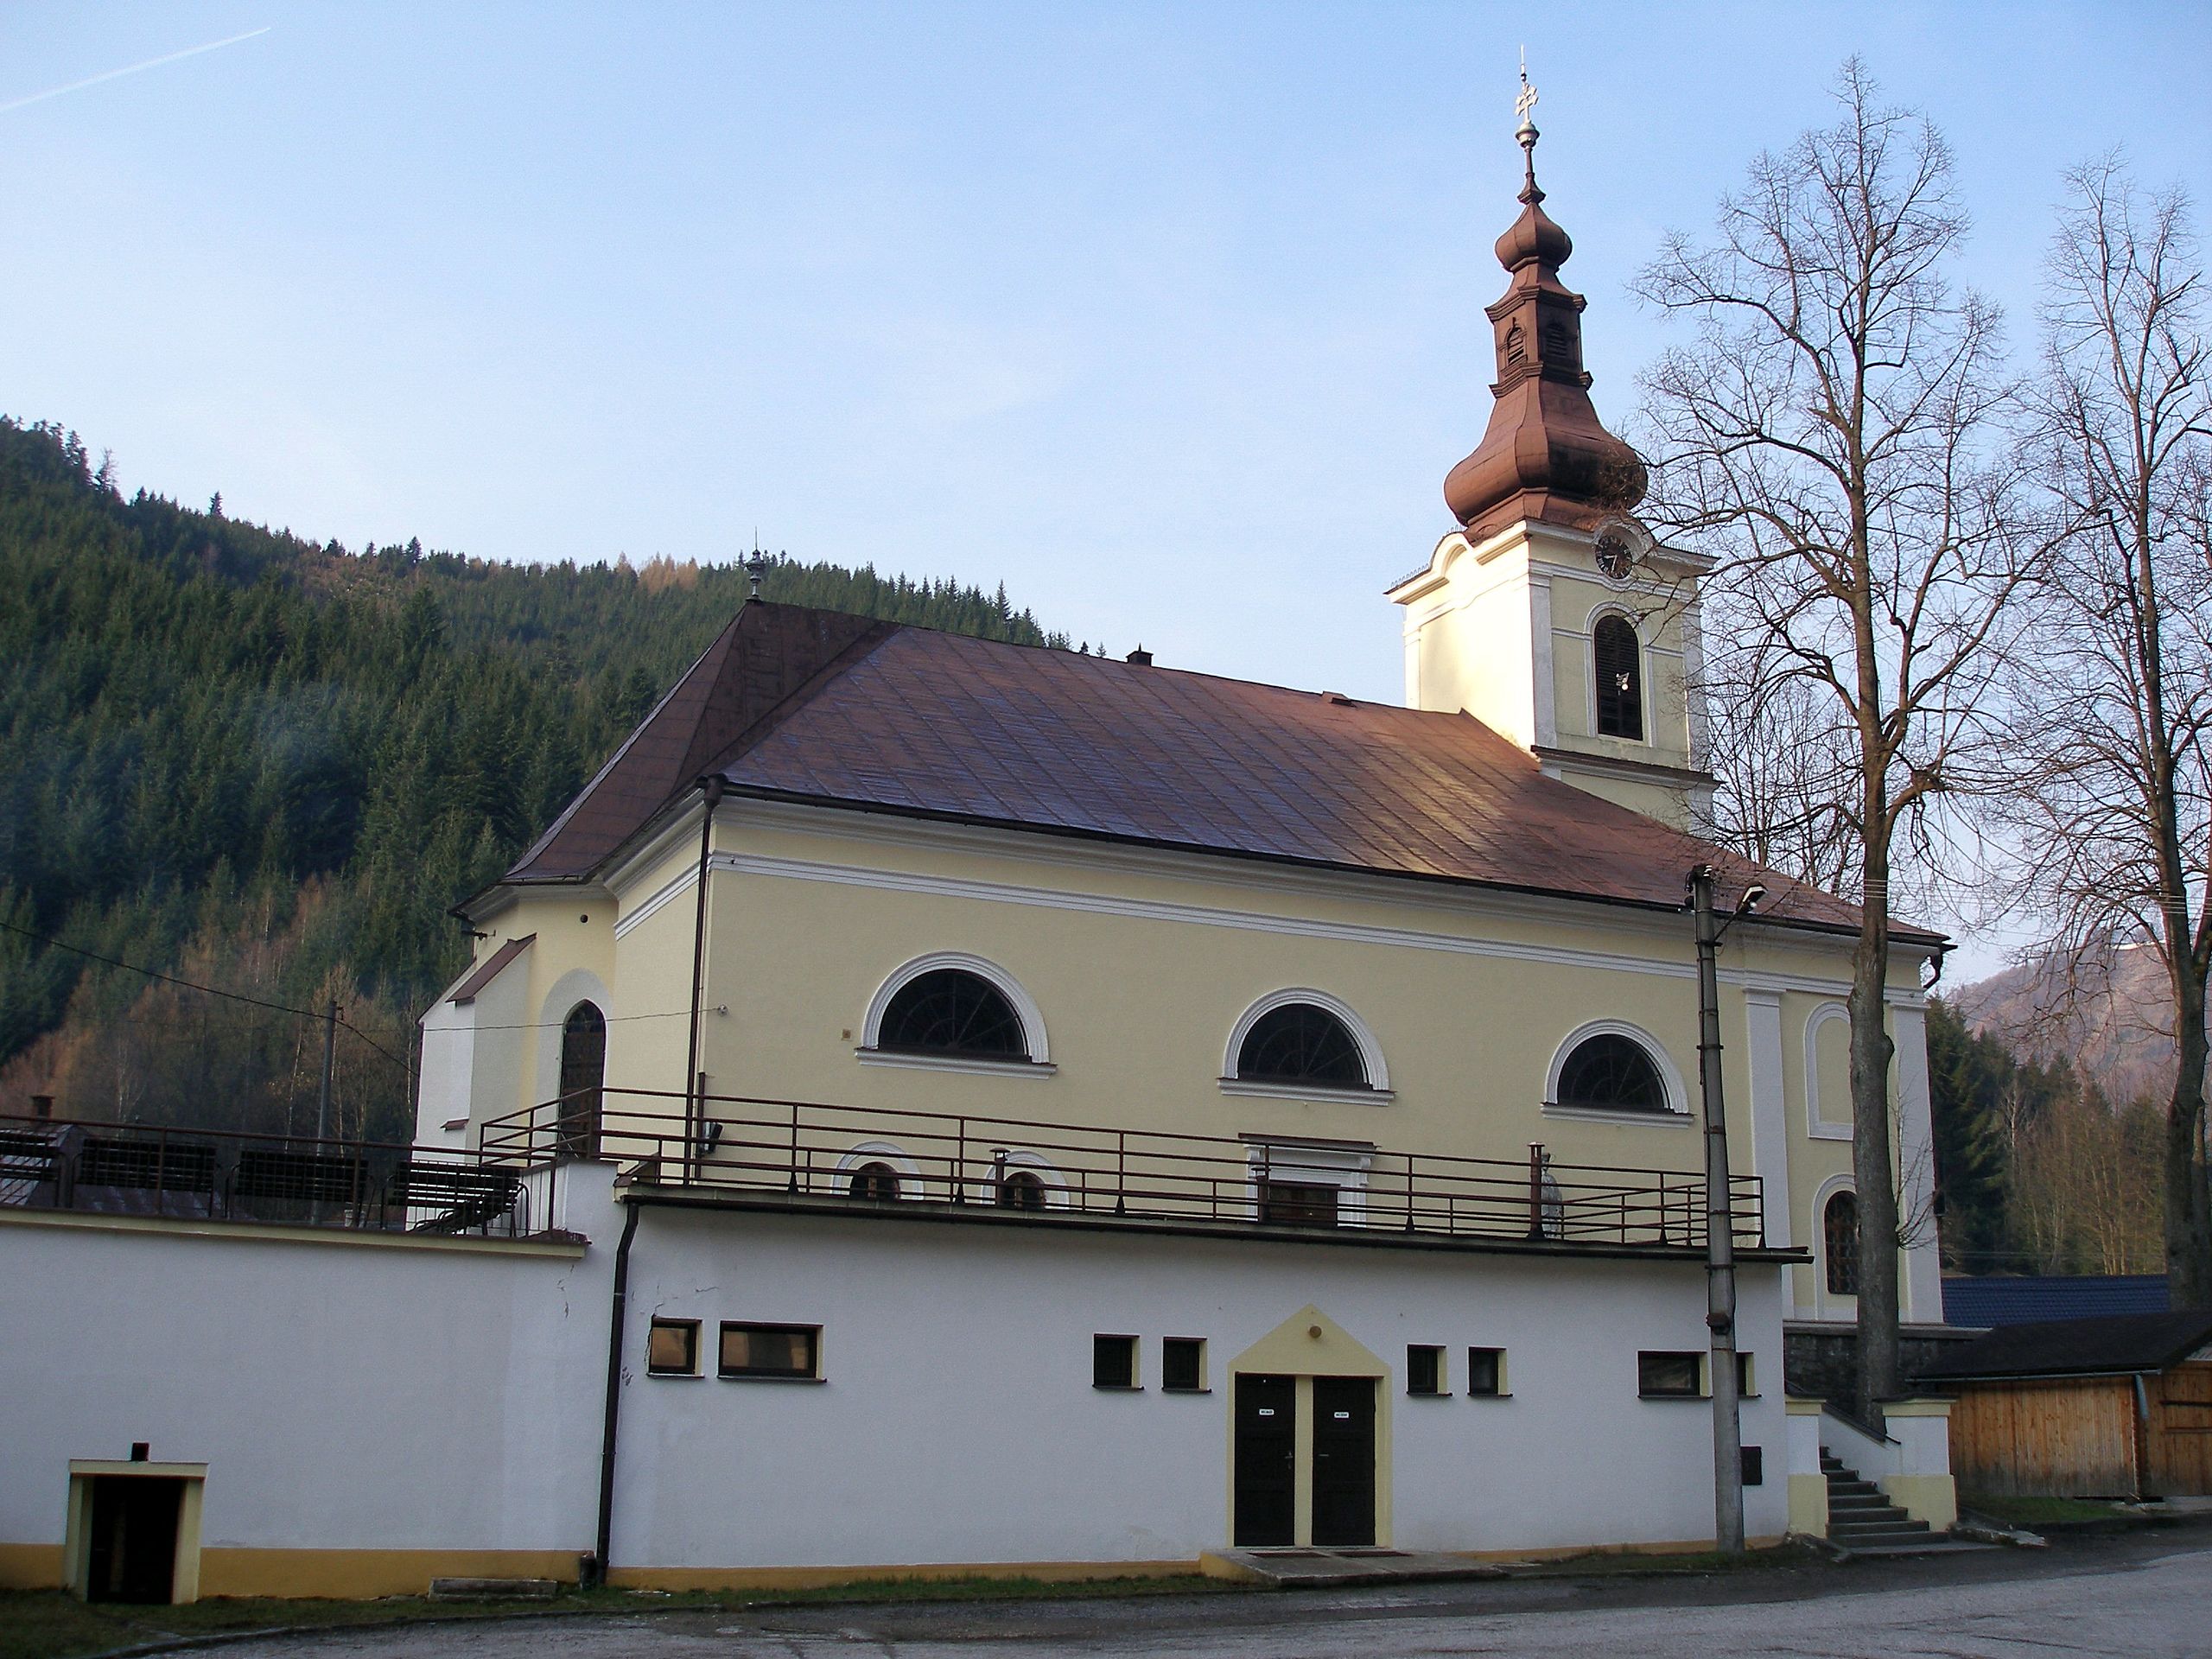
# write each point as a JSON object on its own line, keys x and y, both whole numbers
{"x": 129, "y": 69}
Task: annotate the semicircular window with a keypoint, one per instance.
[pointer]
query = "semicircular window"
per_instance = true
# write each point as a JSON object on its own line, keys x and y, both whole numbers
{"x": 1613, "y": 1073}
{"x": 950, "y": 1011}
{"x": 1301, "y": 1043}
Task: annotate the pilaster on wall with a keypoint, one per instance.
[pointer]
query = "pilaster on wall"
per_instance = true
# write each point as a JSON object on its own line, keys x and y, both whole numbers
{"x": 1770, "y": 1125}
{"x": 1923, "y": 1280}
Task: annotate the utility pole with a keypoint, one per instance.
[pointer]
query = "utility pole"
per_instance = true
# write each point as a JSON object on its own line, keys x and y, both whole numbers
{"x": 329, "y": 1054}
{"x": 1720, "y": 1223}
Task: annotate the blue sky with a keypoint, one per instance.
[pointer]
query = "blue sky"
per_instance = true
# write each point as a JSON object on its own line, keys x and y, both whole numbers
{"x": 1168, "y": 316}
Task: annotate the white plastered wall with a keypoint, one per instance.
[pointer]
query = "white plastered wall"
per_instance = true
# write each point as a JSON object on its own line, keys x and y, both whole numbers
{"x": 346, "y": 1394}
{"x": 957, "y": 1423}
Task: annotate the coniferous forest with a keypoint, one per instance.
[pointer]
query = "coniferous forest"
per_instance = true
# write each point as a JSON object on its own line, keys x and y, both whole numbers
{"x": 245, "y": 760}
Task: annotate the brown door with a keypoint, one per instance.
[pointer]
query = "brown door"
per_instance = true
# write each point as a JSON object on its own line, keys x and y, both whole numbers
{"x": 134, "y": 1538}
{"x": 2181, "y": 1432}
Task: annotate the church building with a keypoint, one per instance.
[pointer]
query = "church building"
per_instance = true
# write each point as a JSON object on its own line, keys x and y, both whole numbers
{"x": 934, "y": 1105}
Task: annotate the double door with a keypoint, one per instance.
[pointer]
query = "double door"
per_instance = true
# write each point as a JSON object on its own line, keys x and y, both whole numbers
{"x": 1335, "y": 1454}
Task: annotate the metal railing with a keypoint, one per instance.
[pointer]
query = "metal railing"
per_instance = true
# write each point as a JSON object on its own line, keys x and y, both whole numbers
{"x": 226, "y": 1175}
{"x": 878, "y": 1159}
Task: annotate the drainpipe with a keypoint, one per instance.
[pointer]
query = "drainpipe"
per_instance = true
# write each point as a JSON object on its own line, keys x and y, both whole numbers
{"x": 1719, "y": 1230}
{"x": 694, "y": 1106}
{"x": 604, "y": 1539}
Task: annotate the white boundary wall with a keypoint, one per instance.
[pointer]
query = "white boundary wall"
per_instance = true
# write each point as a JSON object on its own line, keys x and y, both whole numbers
{"x": 957, "y": 1422}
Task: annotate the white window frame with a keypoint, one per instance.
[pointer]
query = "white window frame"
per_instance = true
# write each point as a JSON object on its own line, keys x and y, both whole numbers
{"x": 1039, "y": 1064}
{"x": 1670, "y": 1078}
{"x": 1818, "y": 1124}
{"x": 1378, "y": 1091}
{"x": 1826, "y": 1302}
{"x": 1598, "y": 613}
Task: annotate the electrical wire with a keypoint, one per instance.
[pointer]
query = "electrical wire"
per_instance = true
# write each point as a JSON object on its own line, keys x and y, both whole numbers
{"x": 210, "y": 990}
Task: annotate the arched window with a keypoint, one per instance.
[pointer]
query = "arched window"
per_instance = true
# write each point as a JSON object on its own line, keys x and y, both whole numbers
{"x": 1613, "y": 1073}
{"x": 876, "y": 1180}
{"x": 1021, "y": 1191}
{"x": 951, "y": 1011}
{"x": 1839, "y": 1240}
{"x": 1301, "y": 1042}
{"x": 1620, "y": 662}
{"x": 583, "y": 1074}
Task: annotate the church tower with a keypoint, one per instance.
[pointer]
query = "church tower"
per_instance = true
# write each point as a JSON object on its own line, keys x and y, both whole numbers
{"x": 1550, "y": 613}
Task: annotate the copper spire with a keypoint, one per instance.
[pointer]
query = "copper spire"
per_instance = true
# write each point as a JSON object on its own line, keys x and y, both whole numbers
{"x": 1546, "y": 455}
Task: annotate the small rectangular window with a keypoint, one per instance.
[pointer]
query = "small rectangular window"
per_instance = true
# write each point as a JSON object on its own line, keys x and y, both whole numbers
{"x": 1486, "y": 1370}
{"x": 1661, "y": 1375}
{"x": 778, "y": 1351}
{"x": 1747, "y": 1382}
{"x": 1113, "y": 1362}
{"x": 672, "y": 1348}
{"x": 1424, "y": 1368}
{"x": 1183, "y": 1364}
{"x": 1298, "y": 1204}
{"x": 1754, "y": 1465}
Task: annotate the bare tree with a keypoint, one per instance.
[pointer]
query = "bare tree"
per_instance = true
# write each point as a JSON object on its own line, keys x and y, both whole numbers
{"x": 1837, "y": 438}
{"x": 2116, "y": 802}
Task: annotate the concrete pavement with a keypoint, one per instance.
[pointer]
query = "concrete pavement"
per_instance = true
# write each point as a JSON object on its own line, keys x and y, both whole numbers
{"x": 2144, "y": 1595}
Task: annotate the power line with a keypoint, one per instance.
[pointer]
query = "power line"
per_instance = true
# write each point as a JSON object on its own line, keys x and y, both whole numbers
{"x": 210, "y": 990}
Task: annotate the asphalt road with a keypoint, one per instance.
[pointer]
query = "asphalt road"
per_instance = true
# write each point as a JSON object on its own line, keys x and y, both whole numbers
{"x": 2146, "y": 1595}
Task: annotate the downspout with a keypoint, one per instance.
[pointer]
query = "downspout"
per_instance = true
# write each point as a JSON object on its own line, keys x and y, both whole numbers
{"x": 604, "y": 1539}
{"x": 1719, "y": 1230}
{"x": 695, "y": 1105}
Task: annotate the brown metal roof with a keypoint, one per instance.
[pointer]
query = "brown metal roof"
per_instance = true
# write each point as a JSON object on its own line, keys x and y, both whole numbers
{"x": 490, "y": 968}
{"x": 812, "y": 706}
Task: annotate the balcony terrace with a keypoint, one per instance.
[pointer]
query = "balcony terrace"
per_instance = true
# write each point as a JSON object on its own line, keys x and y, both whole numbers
{"x": 734, "y": 1151}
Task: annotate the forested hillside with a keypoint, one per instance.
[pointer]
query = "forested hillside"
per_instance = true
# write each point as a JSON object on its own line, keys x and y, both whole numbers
{"x": 246, "y": 760}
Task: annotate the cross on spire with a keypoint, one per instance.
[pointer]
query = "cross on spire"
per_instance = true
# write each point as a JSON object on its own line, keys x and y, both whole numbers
{"x": 1527, "y": 101}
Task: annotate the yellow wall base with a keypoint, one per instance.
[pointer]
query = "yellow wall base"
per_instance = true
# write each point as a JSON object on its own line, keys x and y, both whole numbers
{"x": 357, "y": 1574}
{"x": 1932, "y": 1498}
{"x": 816, "y": 1578}
{"x": 30, "y": 1567}
{"x": 1809, "y": 1505}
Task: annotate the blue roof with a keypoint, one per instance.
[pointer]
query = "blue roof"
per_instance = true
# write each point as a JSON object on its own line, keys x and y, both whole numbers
{"x": 1978, "y": 1302}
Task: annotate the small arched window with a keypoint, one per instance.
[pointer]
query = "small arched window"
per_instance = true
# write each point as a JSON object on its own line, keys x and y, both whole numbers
{"x": 876, "y": 1180}
{"x": 951, "y": 1011}
{"x": 1021, "y": 1191}
{"x": 1613, "y": 1073}
{"x": 584, "y": 1075}
{"x": 1301, "y": 1042}
{"x": 1619, "y": 663}
{"x": 1839, "y": 1241}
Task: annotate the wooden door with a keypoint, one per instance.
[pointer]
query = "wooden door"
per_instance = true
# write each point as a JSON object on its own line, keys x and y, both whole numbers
{"x": 1266, "y": 1463}
{"x": 2180, "y": 1452}
{"x": 1343, "y": 1461}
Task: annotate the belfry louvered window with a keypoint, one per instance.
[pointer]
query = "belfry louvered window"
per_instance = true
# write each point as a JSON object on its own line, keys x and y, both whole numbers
{"x": 1620, "y": 662}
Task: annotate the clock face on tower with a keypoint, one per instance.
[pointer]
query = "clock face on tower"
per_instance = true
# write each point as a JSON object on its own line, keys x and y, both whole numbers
{"x": 1615, "y": 555}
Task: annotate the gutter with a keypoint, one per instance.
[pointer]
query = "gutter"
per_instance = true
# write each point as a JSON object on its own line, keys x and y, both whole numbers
{"x": 603, "y": 1539}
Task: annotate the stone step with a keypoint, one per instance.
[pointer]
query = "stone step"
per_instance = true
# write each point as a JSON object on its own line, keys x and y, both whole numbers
{"x": 1912, "y": 1532}
{"x": 1854, "y": 1491}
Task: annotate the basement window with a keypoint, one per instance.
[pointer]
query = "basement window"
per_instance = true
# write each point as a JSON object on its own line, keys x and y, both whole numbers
{"x": 788, "y": 1353}
{"x": 672, "y": 1348}
{"x": 1183, "y": 1364}
{"x": 1113, "y": 1362}
{"x": 1666, "y": 1375}
{"x": 1486, "y": 1372}
{"x": 1424, "y": 1368}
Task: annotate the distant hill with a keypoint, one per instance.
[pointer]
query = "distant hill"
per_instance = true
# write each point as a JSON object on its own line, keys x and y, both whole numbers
{"x": 247, "y": 759}
{"x": 2107, "y": 1015}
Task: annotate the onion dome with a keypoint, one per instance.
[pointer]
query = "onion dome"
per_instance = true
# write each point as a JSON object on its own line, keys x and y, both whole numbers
{"x": 1546, "y": 455}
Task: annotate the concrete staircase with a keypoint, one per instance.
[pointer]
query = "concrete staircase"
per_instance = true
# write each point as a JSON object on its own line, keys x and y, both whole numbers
{"x": 1866, "y": 1522}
